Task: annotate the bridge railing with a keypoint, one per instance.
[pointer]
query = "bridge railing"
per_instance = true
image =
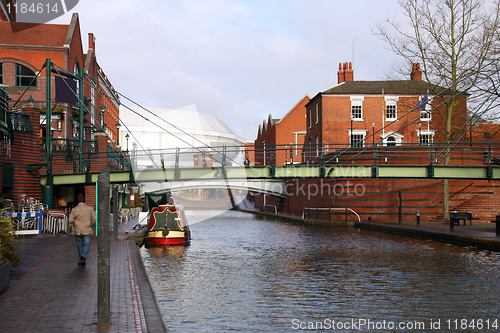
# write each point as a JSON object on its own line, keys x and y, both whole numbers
{"x": 340, "y": 153}
{"x": 330, "y": 154}
{"x": 327, "y": 213}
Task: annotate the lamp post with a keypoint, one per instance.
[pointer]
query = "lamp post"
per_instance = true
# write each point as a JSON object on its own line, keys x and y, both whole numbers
{"x": 126, "y": 137}
{"x": 350, "y": 133}
{"x": 103, "y": 111}
{"x": 373, "y": 131}
{"x": 118, "y": 133}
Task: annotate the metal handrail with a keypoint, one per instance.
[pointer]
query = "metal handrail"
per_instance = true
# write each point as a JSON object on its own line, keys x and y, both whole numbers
{"x": 263, "y": 208}
{"x": 317, "y": 209}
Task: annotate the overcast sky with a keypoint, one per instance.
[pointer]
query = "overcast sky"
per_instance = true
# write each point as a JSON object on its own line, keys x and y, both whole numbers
{"x": 237, "y": 60}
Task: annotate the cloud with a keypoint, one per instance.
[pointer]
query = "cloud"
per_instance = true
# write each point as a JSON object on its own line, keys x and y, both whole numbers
{"x": 237, "y": 60}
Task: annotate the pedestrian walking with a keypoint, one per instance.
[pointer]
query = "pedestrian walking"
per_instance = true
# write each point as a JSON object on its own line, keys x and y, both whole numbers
{"x": 82, "y": 217}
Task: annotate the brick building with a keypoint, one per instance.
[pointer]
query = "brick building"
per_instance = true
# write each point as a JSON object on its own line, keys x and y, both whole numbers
{"x": 25, "y": 51}
{"x": 362, "y": 113}
{"x": 383, "y": 116}
{"x": 282, "y": 138}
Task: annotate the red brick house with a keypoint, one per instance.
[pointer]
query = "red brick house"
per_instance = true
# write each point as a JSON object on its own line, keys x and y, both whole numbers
{"x": 24, "y": 50}
{"x": 362, "y": 113}
{"x": 282, "y": 138}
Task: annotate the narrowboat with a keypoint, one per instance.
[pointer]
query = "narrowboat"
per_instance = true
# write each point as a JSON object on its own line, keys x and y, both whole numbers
{"x": 167, "y": 221}
{"x": 168, "y": 226}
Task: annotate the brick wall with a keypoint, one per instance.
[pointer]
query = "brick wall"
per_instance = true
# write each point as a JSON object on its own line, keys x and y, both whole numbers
{"x": 25, "y": 151}
{"x": 377, "y": 198}
{"x": 278, "y": 138}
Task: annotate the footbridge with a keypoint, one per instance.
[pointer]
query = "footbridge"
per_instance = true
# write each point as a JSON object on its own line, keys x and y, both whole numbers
{"x": 272, "y": 179}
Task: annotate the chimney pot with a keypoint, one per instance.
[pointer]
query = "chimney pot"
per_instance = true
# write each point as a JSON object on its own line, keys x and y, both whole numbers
{"x": 416, "y": 73}
{"x": 349, "y": 73}
{"x": 341, "y": 73}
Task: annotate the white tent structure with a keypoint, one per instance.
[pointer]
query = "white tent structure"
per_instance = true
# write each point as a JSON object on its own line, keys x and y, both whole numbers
{"x": 153, "y": 134}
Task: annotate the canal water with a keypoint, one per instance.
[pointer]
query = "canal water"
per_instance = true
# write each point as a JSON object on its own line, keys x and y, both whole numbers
{"x": 245, "y": 273}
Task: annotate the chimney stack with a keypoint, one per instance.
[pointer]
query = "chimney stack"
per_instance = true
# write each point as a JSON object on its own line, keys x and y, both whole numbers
{"x": 416, "y": 73}
{"x": 345, "y": 72}
{"x": 341, "y": 74}
{"x": 349, "y": 73}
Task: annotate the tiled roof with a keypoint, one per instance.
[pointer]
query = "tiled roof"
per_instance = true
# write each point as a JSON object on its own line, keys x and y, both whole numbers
{"x": 18, "y": 33}
{"x": 408, "y": 87}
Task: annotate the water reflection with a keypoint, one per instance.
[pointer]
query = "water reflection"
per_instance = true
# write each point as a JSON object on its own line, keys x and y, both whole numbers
{"x": 248, "y": 274}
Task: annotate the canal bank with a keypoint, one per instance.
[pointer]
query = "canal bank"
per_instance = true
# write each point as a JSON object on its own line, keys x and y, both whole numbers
{"x": 478, "y": 234}
{"x": 51, "y": 293}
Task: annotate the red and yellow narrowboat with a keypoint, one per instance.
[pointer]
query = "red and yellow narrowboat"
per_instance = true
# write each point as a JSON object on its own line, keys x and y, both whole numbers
{"x": 168, "y": 226}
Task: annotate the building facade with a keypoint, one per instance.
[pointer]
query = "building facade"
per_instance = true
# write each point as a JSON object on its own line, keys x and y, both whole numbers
{"x": 282, "y": 139}
{"x": 66, "y": 142}
{"x": 386, "y": 113}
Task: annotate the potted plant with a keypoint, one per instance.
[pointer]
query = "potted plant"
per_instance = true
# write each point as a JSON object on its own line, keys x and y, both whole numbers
{"x": 8, "y": 253}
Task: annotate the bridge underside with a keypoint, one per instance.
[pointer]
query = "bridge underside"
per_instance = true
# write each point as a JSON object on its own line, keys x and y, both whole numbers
{"x": 275, "y": 187}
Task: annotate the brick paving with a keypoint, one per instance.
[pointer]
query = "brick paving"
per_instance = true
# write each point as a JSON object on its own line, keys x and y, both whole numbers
{"x": 51, "y": 293}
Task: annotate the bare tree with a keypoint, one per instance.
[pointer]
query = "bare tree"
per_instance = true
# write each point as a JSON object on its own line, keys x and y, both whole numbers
{"x": 457, "y": 42}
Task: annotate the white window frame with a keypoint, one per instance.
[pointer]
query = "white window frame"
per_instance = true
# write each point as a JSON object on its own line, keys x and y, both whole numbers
{"x": 397, "y": 136}
{"x": 317, "y": 145}
{"x": 357, "y": 101}
{"x": 357, "y": 132}
{"x": 317, "y": 113}
{"x": 426, "y": 115}
{"x": 429, "y": 133}
{"x": 391, "y": 101}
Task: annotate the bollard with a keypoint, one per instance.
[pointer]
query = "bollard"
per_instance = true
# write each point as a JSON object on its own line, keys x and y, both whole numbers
{"x": 369, "y": 218}
{"x": 453, "y": 218}
{"x": 400, "y": 208}
{"x": 418, "y": 217}
{"x": 497, "y": 228}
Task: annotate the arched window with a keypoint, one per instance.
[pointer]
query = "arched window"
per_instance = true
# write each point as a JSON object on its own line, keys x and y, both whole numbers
{"x": 25, "y": 77}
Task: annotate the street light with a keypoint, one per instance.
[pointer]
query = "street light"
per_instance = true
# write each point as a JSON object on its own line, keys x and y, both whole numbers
{"x": 373, "y": 131}
{"x": 126, "y": 137}
{"x": 350, "y": 134}
{"x": 118, "y": 133}
{"x": 103, "y": 110}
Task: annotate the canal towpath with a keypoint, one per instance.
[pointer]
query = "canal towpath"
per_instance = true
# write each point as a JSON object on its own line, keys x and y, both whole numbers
{"x": 51, "y": 293}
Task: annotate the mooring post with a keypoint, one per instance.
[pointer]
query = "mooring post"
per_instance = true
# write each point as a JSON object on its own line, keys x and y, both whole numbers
{"x": 400, "y": 208}
{"x": 497, "y": 228}
{"x": 103, "y": 249}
